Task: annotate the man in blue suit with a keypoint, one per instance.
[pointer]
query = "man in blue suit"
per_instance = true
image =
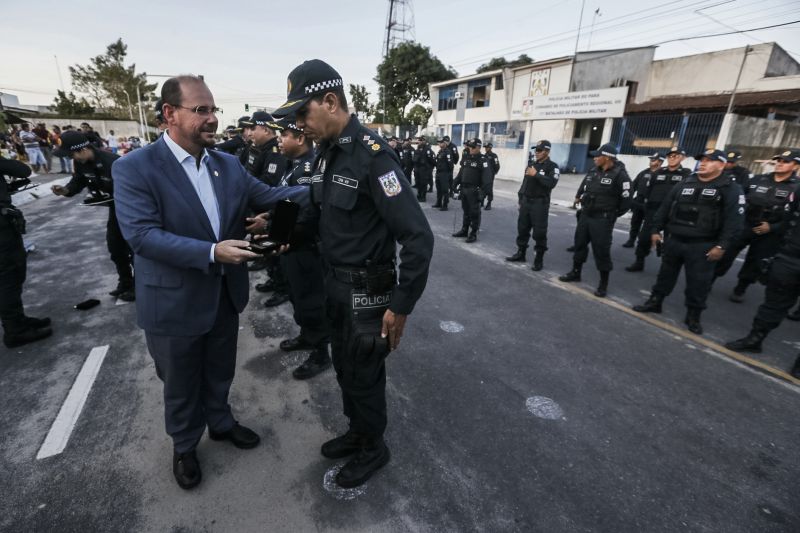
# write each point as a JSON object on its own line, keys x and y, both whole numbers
{"x": 182, "y": 208}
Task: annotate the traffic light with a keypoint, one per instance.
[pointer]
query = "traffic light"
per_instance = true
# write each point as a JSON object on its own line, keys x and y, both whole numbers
{"x": 247, "y": 107}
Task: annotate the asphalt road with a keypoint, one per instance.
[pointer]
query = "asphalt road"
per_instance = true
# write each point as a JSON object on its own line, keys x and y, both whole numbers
{"x": 515, "y": 404}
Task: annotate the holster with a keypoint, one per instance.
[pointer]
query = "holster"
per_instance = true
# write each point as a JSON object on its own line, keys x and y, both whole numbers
{"x": 14, "y": 218}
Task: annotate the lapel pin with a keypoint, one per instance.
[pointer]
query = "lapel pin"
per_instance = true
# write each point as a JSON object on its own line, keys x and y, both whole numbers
{"x": 216, "y": 173}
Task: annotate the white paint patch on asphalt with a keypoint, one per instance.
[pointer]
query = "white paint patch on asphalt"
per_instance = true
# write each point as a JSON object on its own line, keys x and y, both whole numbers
{"x": 62, "y": 427}
{"x": 293, "y": 360}
{"x": 329, "y": 484}
{"x": 39, "y": 191}
{"x": 621, "y": 231}
{"x": 552, "y": 214}
{"x": 645, "y": 292}
{"x": 120, "y": 302}
{"x": 451, "y": 327}
{"x": 544, "y": 408}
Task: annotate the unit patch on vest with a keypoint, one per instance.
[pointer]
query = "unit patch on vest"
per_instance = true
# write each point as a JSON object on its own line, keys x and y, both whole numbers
{"x": 390, "y": 183}
{"x": 347, "y": 182}
{"x": 251, "y": 159}
{"x": 605, "y": 181}
{"x": 316, "y": 178}
{"x": 762, "y": 189}
{"x": 661, "y": 177}
{"x": 485, "y": 164}
{"x": 709, "y": 192}
{"x": 742, "y": 201}
{"x": 687, "y": 192}
{"x": 371, "y": 301}
{"x": 272, "y": 168}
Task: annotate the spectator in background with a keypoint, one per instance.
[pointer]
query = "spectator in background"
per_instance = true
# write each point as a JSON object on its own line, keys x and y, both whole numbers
{"x": 30, "y": 141}
{"x": 92, "y": 135}
{"x": 111, "y": 142}
{"x": 124, "y": 145}
{"x": 64, "y": 161}
{"x": 45, "y": 144}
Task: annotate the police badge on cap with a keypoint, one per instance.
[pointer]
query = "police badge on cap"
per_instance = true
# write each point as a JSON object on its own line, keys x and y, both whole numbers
{"x": 305, "y": 81}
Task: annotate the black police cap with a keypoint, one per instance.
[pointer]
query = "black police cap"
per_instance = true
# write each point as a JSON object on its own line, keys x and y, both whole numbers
{"x": 542, "y": 145}
{"x": 656, "y": 156}
{"x": 734, "y": 156}
{"x": 288, "y": 122}
{"x": 788, "y": 155}
{"x": 676, "y": 150}
{"x": 311, "y": 78}
{"x": 262, "y": 118}
{"x": 244, "y": 122}
{"x": 71, "y": 142}
{"x": 714, "y": 155}
{"x": 608, "y": 150}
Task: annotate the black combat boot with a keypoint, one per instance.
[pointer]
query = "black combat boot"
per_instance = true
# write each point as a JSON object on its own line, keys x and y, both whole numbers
{"x": 602, "y": 288}
{"x": 538, "y": 261}
{"x": 652, "y": 305}
{"x": 795, "y": 371}
{"x": 318, "y": 361}
{"x": 37, "y": 323}
{"x": 437, "y": 205}
{"x": 462, "y": 233}
{"x": 343, "y": 445}
{"x": 372, "y": 456}
{"x": 751, "y": 343}
{"x": 518, "y": 257}
{"x": 488, "y": 206}
{"x": 25, "y": 335}
{"x": 473, "y": 236}
{"x": 636, "y": 266}
{"x": 572, "y": 275}
{"x": 692, "y": 320}
{"x": 738, "y": 292}
{"x": 629, "y": 243}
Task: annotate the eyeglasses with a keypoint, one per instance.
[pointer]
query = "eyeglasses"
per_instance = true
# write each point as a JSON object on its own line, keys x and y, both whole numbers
{"x": 202, "y": 110}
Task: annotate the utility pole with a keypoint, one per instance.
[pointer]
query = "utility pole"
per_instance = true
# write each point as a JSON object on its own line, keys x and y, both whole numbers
{"x": 577, "y": 40}
{"x": 399, "y": 28}
{"x": 747, "y": 50}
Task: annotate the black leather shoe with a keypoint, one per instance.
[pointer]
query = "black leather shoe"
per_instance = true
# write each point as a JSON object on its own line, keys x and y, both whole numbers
{"x": 360, "y": 468}
{"x": 311, "y": 367}
{"x": 518, "y": 257}
{"x": 37, "y": 323}
{"x": 488, "y": 207}
{"x": 342, "y": 446}
{"x": 14, "y": 340}
{"x": 637, "y": 266}
{"x": 186, "y": 469}
{"x": 472, "y": 238}
{"x": 276, "y": 299}
{"x": 692, "y": 321}
{"x": 241, "y": 437}
{"x": 629, "y": 243}
{"x": 127, "y": 296}
{"x": 297, "y": 343}
{"x": 538, "y": 262}
{"x": 267, "y": 286}
{"x": 751, "y": 343}
{"x": 572, "y": 275}
{"x": 652, "y": 305}
{"x": 436, "y": 206}
{"x": 601, "y": 291}
{"x": 462, "y": 233}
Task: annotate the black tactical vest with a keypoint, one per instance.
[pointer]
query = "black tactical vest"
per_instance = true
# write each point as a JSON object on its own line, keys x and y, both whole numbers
{"x": 697, "y": 211}
{"x": 766, "y": 198}
{"x": 662, "y": 181}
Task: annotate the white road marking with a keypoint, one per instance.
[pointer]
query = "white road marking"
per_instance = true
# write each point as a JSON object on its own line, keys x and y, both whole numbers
{"x": 451, "y": 327}
{"x": 552, "y": 214}
{"x": 620, "y": 231}
{"x": 329, "y": 484}
{"x": 62, "y": 427}
{"x": 544, "y": 408}
{"x": 645, "y": 292}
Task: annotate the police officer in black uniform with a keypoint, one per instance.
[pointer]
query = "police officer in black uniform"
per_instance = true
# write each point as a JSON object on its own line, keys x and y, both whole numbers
{"x": 237, "y": 144}
{"x": 394, "y": 142}
{"x": 444, "y": 175}
{"x": 424, "y": 162}
{"x": 494, "y": 164}
{"x": 93, "y": 171}
{"x": 766, "y": 196}
{"x": 736, "y": 172}
{"x": 783, "y": 286}
{"x": 659, "y": 186}
{"x": 541, "y": 177}
{"x": 18, "y": 329}
{"x": 452, "y": 148}
{"x": 407, "y": 158}
{"x": 700, "y": 216}
{"x": 605, "y": 195}
{"x": 302, "y": 264}
{"x": 264, "y": 159}
{"x": 639, "y": 187}
{"x": 472, "y": 182}
{"x": 365, "y": 204}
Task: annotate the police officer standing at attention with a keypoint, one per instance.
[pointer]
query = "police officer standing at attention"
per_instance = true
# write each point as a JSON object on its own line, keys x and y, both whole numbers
{"x": 604, "y": 195}
{"x": 700, "y": 217}
{"x": 237, "y": 144}
{"x": 365, "y": 205}
{"x": 659, "y": 186}
{"x": 444, "y": 175}
{"x": 783, "y": 286}
{"x": 264, "y": 160}
{"x": 93, "y": 170}
{"x": 733, "y": 170}
{"x": 452, "y": 148}
{"x": 639, "y": 186}
{"x": 541, "y": 177}
{"x": 18, "y": 329}
{"x": 494, "y": 164}
{"x": 473, "y": 181}
{"x": 407, "y": 159}
{"x": 424, "y": 161}
{"x": 766, "y": 196}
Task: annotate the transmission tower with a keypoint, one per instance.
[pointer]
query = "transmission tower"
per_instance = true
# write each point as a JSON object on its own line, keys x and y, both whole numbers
{"x": 399, "y": 24}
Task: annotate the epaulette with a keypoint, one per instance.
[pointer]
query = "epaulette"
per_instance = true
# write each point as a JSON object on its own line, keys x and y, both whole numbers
{"x": 371, "y": 143}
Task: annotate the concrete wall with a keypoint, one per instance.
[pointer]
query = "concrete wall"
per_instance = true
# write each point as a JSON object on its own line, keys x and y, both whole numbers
{"x": 781, "y": 64}
{"x": 760, "y": 139}
{"x": 601, "y": 70}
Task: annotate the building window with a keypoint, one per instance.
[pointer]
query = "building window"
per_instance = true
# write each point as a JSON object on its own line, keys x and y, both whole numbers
{"x": 447, "y": 97}
{"x": 478, "y": 93}
{"x": 455, "y": 134}
{"x": 472, "y": 130}
{"x": 498, "y": 82}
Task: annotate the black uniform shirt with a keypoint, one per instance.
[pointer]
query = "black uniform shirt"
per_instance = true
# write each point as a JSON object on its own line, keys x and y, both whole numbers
{"x": 639, "y": 186}
{"x": 14, "y": 169}
{"x": 790, "y": 244}
{"x": 95, "y": 174}
{"x": 545, "y": 180}
{"x": 298, "y": 171}
{"x": 266, "y": 162}
{"x": 606, "y": 190}
{"x": 661, "y": 183}
{"x": 494, "y": 162}
{"x": 474, "y": 172}
{"x": 367, "y": 205}
{"x": 424, "y": 158}
{"x": 738, "y": 174}
{"x": 454, "y": 151}
{"x": 766, "y": 199}
{"x": 444, "y": 162}
{"x": 234, "y": 146}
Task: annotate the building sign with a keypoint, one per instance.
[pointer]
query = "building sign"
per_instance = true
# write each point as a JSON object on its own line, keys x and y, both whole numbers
{"x": 540, "y": 82}
{"x": 601, "y": 103}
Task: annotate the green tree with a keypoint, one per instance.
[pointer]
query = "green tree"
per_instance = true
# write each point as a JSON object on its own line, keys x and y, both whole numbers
{"x": 68, "y": 105}
{"x": 404, "y": 75}
{"x": 109, "y": 83}
{"x": 359, "y": 98}
{"x": 500, "y": 62}
{"x": 418, "y": 115}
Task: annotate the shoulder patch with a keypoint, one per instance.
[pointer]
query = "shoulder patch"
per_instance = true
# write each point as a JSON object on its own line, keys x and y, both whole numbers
{"x": 390, "y": 184}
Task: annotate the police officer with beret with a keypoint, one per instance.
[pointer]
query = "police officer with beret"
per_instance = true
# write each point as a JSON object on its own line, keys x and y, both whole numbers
{"x": 365, "y": 206}
{"x": 657, "y": 189}
{"x": 424, "y": 162}
{"x": 783, "y": 285}
{"x": 700, "y": 216}
{"x": 639, "y": 187}
{"x": 736, "y": 172}
{"x": 604, "y": 196}
{"x": 473, "y": 181}
{"x": 237, "y": 144}
{"x": 444, "y": 175}
{"x": 494, "y": 164}
{"x": 93, "y": 171}
{"x": 18, "y": 329}
{"x": 764, "y": 214}
{"x": 541, "y": 177}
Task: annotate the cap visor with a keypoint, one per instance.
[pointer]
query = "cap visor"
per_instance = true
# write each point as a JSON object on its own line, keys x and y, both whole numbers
{"x": 290, "y": 107}
{"x": 785, "y": 158}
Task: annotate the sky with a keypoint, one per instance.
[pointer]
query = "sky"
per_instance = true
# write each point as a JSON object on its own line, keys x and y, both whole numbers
{"x": 245, "y": 49}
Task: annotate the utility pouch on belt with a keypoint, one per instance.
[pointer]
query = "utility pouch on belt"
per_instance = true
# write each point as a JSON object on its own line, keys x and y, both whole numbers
{"x": 14, "y": 217}
{"x": 367, "y": 320}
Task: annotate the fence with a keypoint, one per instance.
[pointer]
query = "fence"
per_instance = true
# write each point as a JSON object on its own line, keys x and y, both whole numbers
{"x": 645, "y": 134}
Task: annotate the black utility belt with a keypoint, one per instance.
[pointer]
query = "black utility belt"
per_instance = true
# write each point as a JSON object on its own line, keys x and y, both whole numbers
{"x": 372, "y": 279}
{"x": 687, "y": 239}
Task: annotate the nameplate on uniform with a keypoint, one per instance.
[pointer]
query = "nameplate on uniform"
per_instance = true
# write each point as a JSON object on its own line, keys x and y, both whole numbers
{"x": 605, "y": 181}
{"x": 762, "y": 189}
{"x": 371, "y": 301}
{"x": 345, "y": 140}
{"x": 709, "y": 192}
{"x": 305, "y": 180}
{"x": 390, "y": 184}
{"x": 687, "y": 192}
{"x": 316, "y": 178}
{"x": 251, "y": 159}
{"x": 347, "y": 182}
{"x": 780, "y": 193}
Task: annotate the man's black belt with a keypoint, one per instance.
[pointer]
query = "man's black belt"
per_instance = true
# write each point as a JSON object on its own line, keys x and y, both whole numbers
{"x": 376, "y": 276}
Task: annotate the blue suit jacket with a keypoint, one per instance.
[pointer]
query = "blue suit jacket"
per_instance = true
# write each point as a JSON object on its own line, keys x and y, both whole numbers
{"x": 163, "y": 220}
